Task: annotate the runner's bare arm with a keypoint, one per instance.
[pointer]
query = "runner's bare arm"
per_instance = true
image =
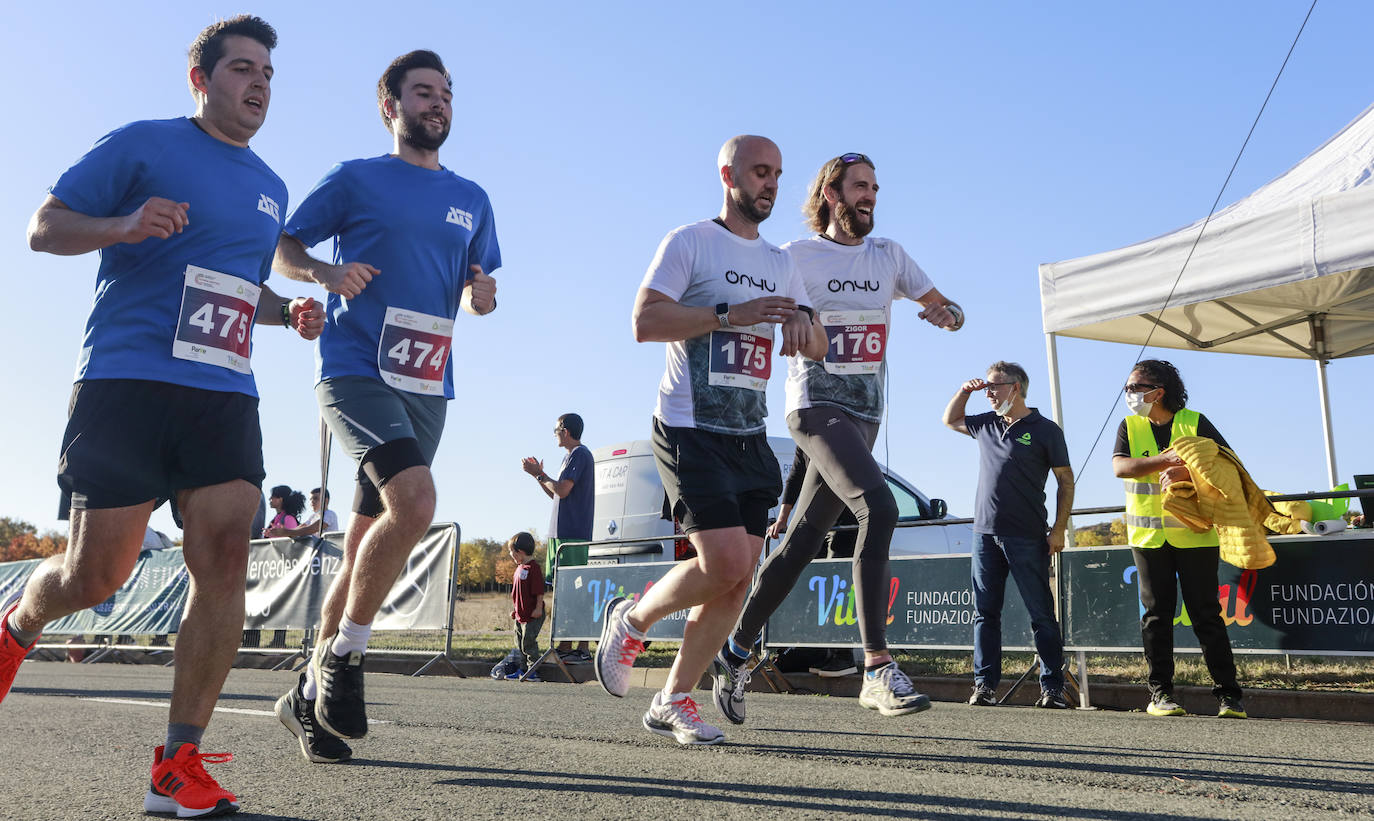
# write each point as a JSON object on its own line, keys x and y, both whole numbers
{"x": 819, "y": 344}
{"x": 936, "y": 310}
{"x": 797, "y": 335}
{"x": 57, "y": 229}
{"x": 479, "y": 293}
{"x": 658, "y": 317}
{"x": 307, "y": 314}
{"x": 347, "y": 280}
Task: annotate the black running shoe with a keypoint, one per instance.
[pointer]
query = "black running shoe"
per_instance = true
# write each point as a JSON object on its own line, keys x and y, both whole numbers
{"x": 297, "y": 714}
{"x": 339, "y": 705}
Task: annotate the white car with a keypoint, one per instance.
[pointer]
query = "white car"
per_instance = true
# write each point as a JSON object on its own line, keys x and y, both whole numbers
{"x": 630, "y": 501}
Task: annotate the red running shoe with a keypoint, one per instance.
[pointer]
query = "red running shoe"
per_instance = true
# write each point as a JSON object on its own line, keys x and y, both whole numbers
{"x": 181, "y": 785}
{"x": 12, "y": 653}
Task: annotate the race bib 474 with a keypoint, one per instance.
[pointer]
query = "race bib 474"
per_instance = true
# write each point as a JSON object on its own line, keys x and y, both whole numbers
{"x": 414, "y": 350}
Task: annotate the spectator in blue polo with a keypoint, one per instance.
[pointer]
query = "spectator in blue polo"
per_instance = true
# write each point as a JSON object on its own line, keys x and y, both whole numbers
{"x": 574, "y": 495}
{"x": 1017, "y": 450}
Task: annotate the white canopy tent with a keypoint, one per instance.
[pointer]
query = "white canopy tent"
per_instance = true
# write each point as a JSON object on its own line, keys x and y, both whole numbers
{"x": 1287, "y": 271}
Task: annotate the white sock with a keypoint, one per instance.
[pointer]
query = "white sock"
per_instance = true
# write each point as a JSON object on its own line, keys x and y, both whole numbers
{"x": 351, "y": 638}
{"x": 630, "y": 627}
{"x": 310, "y": 690}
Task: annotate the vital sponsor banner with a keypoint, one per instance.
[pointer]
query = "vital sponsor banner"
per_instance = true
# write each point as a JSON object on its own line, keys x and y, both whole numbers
{"x": 929, "y": 604}
{"x": 1318, "y": 597}
{"x": 288, "y": 580}
{"x": 581, "y": 593}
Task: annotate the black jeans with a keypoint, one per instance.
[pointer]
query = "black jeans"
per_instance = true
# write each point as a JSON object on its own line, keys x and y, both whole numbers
{"x": 1195, "y": 569}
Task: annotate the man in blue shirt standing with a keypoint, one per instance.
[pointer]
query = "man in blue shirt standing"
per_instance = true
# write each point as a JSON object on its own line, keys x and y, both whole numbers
{"x": 1017, "y": 450}
{"x": 185, "y": 216}
{"x": 574, "y": 497}
{"x": 413, "y": 243}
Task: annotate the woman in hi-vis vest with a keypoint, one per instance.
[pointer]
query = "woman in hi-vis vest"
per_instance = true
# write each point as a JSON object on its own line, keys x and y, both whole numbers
{"x": 1166, "y": 550}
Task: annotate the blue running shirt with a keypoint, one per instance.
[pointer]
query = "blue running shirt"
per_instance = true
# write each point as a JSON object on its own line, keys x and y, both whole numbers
{"x": 421, "y": 228}
{"x": 138, "y": 313}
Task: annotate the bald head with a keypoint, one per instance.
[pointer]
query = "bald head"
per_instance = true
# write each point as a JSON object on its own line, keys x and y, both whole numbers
{"x": 741, "y": 150}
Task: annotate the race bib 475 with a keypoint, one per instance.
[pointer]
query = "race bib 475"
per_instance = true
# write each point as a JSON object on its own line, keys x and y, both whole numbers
{"x": 216, "y": 321}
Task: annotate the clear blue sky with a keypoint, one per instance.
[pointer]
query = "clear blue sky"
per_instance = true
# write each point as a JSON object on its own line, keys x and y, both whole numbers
{"x": 1005, "y": 135}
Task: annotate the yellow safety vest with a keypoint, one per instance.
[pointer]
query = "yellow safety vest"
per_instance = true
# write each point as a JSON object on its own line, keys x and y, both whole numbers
{"x": 1147, "y": 525}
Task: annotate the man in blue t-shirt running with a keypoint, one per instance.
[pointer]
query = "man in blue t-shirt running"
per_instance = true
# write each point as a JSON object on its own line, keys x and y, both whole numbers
{"x": 185, "y": 216}
{"x": 413, "y": 243}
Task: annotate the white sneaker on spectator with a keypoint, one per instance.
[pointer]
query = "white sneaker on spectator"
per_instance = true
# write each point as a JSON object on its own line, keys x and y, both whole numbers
{"x": 676, "y": 717}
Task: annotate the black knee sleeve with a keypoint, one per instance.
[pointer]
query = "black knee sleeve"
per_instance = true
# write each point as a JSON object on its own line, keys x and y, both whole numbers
{"x": 379, "y": 465}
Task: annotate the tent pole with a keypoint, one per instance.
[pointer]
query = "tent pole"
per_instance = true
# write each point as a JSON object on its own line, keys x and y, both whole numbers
{"x": 1052, "y": 355}
{"x": 1327, "y": 434}
{"x": 1056, "y": 402}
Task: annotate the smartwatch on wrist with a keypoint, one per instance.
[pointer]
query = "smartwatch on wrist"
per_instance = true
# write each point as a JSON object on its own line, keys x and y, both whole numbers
{"x": 723, "y": 314}
{"x": 286, "y": 313}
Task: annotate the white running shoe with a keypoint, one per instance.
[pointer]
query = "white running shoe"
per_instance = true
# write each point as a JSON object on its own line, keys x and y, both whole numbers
{"x": 728, "y": 680}
{"x": 890, "y": 692}
{"x": 619, "y": 645}
{"x": 676, "y": 717}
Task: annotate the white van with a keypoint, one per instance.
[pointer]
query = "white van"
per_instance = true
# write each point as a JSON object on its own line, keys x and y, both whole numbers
{"x": 630, "y": 500}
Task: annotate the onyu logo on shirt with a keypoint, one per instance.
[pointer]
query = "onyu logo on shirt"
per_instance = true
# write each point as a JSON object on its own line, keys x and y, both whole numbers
{"x": 735, "y": 278}
{"x": 838, "y": 285}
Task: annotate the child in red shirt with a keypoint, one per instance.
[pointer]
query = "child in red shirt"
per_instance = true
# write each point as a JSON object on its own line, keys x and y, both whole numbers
{"x": 527, "y": 593}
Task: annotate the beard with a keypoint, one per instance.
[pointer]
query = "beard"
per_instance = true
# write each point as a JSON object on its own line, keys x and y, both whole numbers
{"x": 415, "y": 133}
{"x": 750, "y": 207}
{"x": 850, "y": 222}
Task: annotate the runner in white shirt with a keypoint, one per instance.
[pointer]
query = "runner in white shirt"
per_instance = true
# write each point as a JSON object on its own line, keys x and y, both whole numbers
{"x": 834, "y": 408}
{"x": 713, "y": 292}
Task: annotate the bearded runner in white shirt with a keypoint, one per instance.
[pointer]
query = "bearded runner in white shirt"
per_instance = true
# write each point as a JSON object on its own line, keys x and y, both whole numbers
{"x": 834, "y": 408}
{"x": 713, "y": 292}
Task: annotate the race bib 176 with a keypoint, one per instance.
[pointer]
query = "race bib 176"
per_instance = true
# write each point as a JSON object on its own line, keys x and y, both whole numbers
{"x": 857, "y": 340}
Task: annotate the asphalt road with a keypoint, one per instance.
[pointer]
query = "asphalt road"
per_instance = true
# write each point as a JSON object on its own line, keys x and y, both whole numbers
{"x": 76, "y": 742}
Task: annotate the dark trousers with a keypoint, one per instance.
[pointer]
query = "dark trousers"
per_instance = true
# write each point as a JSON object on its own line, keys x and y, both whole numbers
{"x": 1164, "y": 571}
{"x": 527, "y": 639}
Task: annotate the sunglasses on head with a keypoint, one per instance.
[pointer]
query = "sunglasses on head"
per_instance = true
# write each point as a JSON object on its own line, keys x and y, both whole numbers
{"x": 850, "y": 159}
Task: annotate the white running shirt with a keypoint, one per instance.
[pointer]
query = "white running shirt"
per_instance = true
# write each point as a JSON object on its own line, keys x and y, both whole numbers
{"x": 717, "y": 381}
{"x": 852, "y": 288}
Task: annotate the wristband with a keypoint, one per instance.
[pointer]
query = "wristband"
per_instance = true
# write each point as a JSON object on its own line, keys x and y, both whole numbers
{"x": 808, "y": 310}
{"x": 286, "y": 313}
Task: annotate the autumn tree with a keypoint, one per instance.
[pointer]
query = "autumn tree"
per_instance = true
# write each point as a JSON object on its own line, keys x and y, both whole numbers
{"x": 20, "y": 540}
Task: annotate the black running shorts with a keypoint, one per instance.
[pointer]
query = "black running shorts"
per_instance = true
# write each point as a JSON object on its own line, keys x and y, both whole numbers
{"x": 129, "y": 441}
{"x": 717, "y": 480}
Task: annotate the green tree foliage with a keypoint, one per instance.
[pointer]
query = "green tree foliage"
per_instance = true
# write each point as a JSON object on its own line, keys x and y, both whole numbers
{"x": 1099, "y": 535}
{"x": 484, "y": 564}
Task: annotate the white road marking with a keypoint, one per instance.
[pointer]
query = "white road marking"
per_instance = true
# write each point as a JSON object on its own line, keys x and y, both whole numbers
{"x": 239, "y": 710}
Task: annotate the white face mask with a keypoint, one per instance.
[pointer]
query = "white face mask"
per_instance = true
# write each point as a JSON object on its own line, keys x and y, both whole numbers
{"x": 1136, "y": 402}
{"x": 1001, "y": 410}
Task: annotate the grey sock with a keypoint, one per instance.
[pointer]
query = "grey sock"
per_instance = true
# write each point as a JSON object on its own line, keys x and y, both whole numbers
{"x": 23, "y": 637}
{"x": 179, "y": 734}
